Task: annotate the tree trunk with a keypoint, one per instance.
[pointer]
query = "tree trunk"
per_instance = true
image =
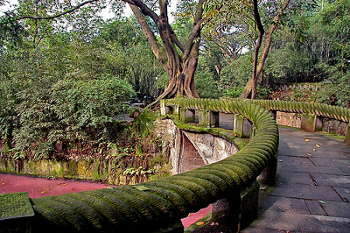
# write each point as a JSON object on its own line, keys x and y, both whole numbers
{"x": 257, "y": 47}
{"x": 265, "y": 51}
{"x": 180, "y": 69}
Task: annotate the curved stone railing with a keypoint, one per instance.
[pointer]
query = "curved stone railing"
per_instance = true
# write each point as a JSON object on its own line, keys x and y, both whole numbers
{"x": 323, "y": 110}
{"x": 311, "y": 113}
{"x": 155, "y": 205}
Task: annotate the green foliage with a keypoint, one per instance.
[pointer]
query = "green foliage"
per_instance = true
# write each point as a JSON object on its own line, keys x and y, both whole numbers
{"x": 206, "y": 85}
{"x": 314, "y": 46}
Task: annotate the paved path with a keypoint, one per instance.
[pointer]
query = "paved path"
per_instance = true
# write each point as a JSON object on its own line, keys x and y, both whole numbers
{"x": 313, "y": 188}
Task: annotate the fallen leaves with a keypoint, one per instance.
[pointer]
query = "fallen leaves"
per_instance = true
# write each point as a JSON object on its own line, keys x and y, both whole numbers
{"x": 199, "y": 223}
{"x": 307, "y": 140}
{"x": 318, "y": 145}
{"x": 2, "y": 183}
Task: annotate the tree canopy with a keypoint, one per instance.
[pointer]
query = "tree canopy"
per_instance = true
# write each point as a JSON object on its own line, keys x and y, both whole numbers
{"x": 66, "y": 72}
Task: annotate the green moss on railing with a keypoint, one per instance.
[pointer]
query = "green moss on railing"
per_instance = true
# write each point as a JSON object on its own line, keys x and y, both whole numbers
{"x": 334, "y": 112}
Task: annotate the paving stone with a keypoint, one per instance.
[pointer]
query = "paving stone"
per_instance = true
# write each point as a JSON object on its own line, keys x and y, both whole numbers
{"x": 315, "y": 207}
{"x": 347, "y": 154}
{"x": 297, "y": 152}
{"x": 283, "y": 204}
{"x": 297, "y": 161}
{"x": 295, "y": 177}
{"x": 344, "y": 193}
{"x": 345, "y": 170}
{"x": 331, "y": 162}
{"x": 260, "y": 230}
{"x": 289, "y": 222}
{"x": 311, "y": 169}
{"x": 337, "y": 209}
{"x": 332, "y": 180}
{"x": 303, "y": 191}
{"x": 332, "y": 154}
{"x": 313, "y": 189}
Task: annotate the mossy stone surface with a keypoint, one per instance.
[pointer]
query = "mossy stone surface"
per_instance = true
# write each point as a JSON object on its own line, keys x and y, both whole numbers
{"x": 15, "y": 205}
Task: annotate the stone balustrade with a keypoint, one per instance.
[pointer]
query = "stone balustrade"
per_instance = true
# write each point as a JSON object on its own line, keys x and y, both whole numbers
{"x": 158, "y": 206}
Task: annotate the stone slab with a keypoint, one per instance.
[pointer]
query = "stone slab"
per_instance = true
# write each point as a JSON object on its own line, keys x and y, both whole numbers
{"x": 289, "y": 222}
{"x": 333, "y": 154}
{"x": 296, "y": 161}
{"x": 297, "y": 152}
{"x": 259, "y": 230}
{"x": 330, "y": 162}
{"x": 332, "y": 180}
{"x": 311, "y": 169}
{"x": 283, "y": 204}
{"x": 337, "y": 209}
{"x": 302, "y": 191}
{"x": 295, "y": 177}
{"x": 344, "y": 193}
{"x": 315, "y": 207}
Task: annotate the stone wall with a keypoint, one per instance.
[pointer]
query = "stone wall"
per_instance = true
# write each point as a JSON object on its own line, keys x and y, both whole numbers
{"x": 288, "y": 119}
{"x": 189, "y": 150}
{"x": 294, "y": 120}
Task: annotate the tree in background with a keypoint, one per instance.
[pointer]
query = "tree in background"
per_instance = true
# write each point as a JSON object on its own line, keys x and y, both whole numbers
{"x": 250, "y": 88}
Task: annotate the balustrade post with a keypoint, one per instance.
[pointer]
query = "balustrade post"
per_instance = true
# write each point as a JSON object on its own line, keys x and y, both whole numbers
{"x": 311, "y": 122}
{"x": 187, "y": 115}
{"x": 241, "y": 126}
{"x": 238, "y": 209}
{"x": 164, "y": 110}
{"x": 208, "y": 118}
{"x": 273, "y": 113}
{"x": 269, "y": 174}
{"x": 347, "y": 135}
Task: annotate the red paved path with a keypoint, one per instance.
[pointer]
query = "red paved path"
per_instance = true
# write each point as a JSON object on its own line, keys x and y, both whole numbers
{"x": 39, "y": 187}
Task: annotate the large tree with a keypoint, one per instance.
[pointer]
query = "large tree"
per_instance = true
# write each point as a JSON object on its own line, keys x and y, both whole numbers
{"x": 178, "y": 58}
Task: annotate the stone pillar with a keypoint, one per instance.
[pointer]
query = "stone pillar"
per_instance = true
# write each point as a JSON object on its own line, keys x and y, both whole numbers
{"x": 164, "y": 110}
{"x": 187, "y": 115}
{"x": 273, "y": 113}
{"x": 347, "y": 135}
{"x": 269, "y": 175}
{"x": 252, "y": 132}
{"x": 237, "y": 210}
{"x": 176, "y": 110}
{"x": 311, "y": 122}
{"x": 241, "y": 126}
{"x": 208, "y": 118}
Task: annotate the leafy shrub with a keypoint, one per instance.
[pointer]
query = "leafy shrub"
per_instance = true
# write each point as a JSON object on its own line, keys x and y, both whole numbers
{"x": 49, "y": 111}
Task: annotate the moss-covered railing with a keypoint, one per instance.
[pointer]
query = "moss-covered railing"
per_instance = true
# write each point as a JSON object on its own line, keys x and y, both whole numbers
{"x": 311, "y": 112}
{"x": 323, "y": 110}
{"x": 156, "y": 205}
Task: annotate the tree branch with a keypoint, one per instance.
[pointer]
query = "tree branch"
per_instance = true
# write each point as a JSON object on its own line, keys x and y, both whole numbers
{"x": 198, "y": 20}
{"x": 144, "y": 9}
{"x": 150, "y": 37}
{"x": 61, "y": 14}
